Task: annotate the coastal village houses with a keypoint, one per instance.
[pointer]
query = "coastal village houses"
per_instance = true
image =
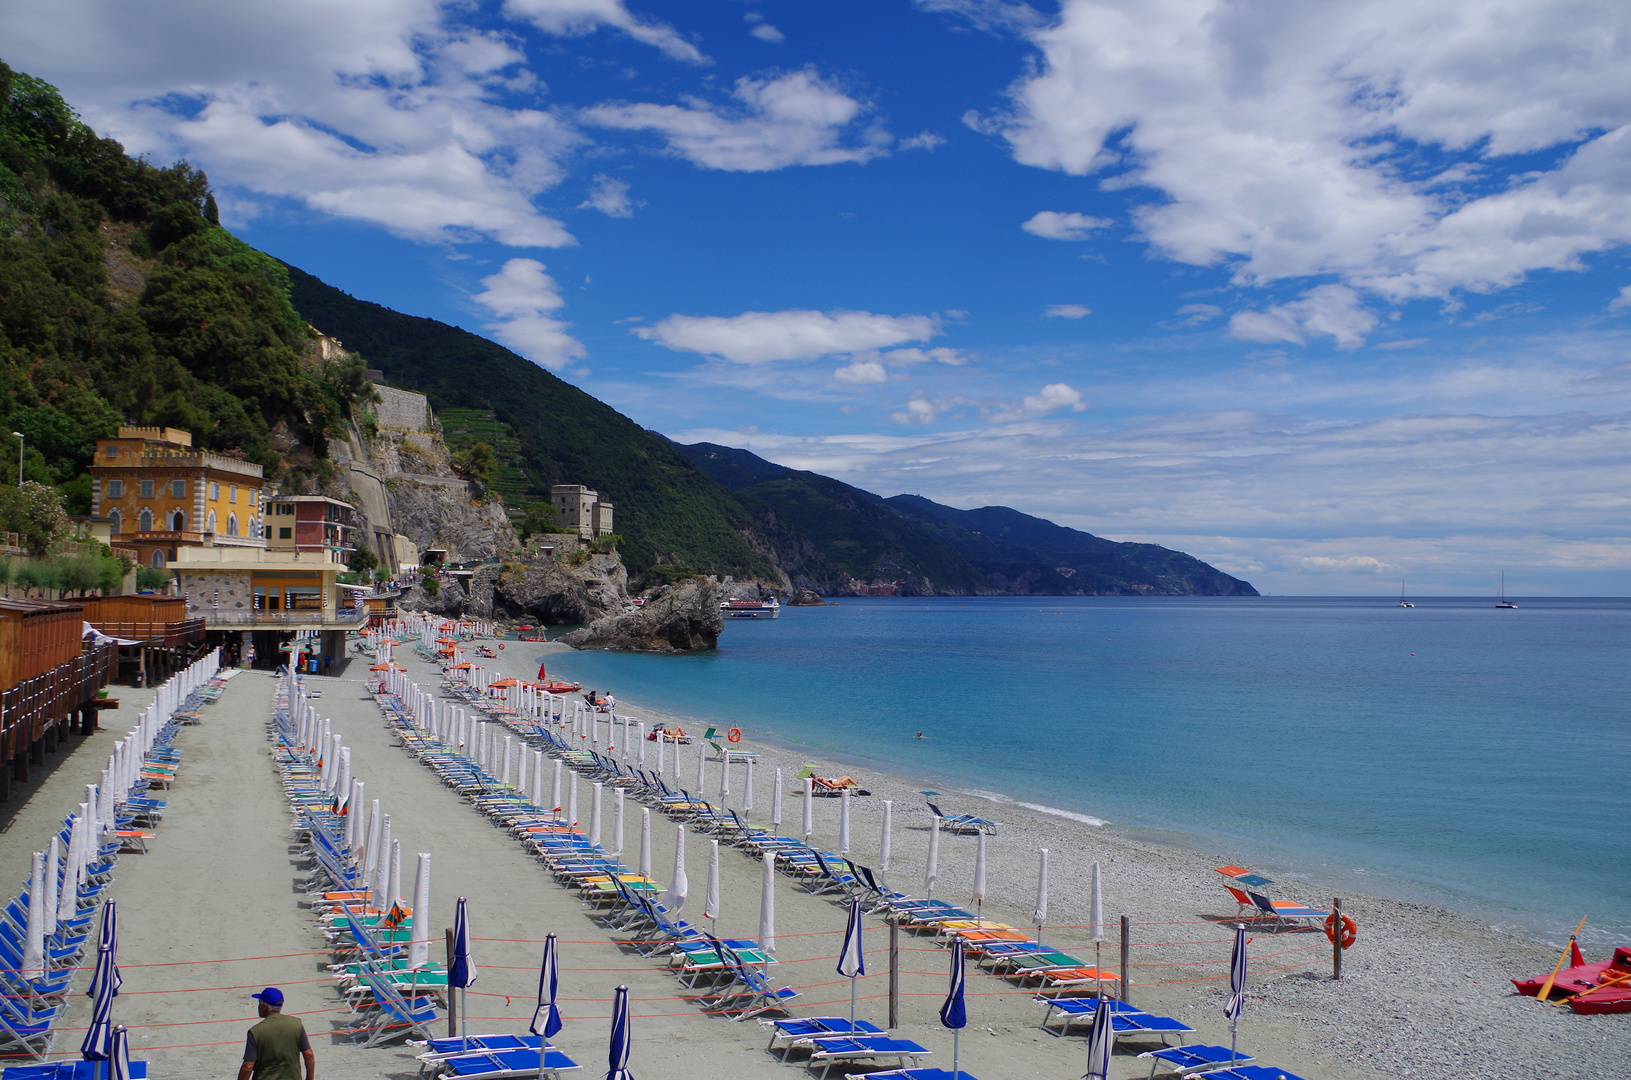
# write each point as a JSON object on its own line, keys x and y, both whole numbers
{"x": 209, "y": 518}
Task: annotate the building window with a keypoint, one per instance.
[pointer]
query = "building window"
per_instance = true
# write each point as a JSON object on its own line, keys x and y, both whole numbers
{"x": 232, "y": 493}
{"x": 285, "y": 534}
{"x": 215, "y": 491}
{"x": 144, "y": 523}
{"x": 147, "y": 489}
{"x": 114, "y": 521}
{"x": 210, "y": 526}
{"x": 178, "y": 521}
{"x": 178, "y": 489}
{"x": 232, "y": 524}
{"x": 116, "y": 489}
{"x": 158, "y": 560}
{"x": 113, "y": 452}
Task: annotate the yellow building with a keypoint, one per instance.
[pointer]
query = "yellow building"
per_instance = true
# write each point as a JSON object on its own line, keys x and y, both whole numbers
{"x": 161, "y": 495}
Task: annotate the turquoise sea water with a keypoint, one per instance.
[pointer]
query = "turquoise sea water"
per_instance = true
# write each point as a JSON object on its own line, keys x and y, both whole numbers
{"x": 1453, "y": 753}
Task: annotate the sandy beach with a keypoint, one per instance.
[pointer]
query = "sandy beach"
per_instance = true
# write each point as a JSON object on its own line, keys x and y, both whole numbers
{"x": 216, "y": 910}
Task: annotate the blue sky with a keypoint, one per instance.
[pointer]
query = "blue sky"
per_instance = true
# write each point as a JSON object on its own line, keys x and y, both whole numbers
{"x": 1329, "y": 295}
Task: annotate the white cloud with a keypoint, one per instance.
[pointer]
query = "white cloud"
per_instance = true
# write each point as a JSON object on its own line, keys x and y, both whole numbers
{"x": 375, "y": 110}
{"x": 523, "y": 297}
{"x": 1050, "y": 399}
{"x": 923, "y": 140}
{"x": 1408, "y": 343}
{"x": 1196, "y": 314}
{"x": 907, "y": 357}
{"x": 765, "y": 32}
{"x": 1063, "y": 226}
{"x": 1621, "y": 302}
{"x": 1282, "y": 139}
{"x": 610, "y": 196}
{"x": 1330, "y": 310}
{"x": 572, "y": 17}
{"x": 862, "y": 371}
{"x": 793, "y": 119}
{"x": 756, "y": 337}
{"x": 1325, "y": 564}
{"x": 1066, "y": 311}
{"x": 918, "y": 410}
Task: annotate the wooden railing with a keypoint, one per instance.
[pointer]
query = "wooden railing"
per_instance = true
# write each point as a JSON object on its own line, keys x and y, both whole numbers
{"x": 32, "y": 706}
{"x": 159, "y": 634}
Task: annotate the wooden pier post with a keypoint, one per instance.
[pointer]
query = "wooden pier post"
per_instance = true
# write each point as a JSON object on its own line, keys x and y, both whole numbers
{"x": 1336, "y": 938}
{"x": 1126, "y": 955}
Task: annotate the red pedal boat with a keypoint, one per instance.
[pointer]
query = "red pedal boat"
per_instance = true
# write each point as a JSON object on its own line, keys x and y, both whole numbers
{"x": 1603, "y": 987}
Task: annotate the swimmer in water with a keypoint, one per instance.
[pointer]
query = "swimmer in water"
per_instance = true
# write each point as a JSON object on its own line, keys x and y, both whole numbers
{"x": 920, "y": 734}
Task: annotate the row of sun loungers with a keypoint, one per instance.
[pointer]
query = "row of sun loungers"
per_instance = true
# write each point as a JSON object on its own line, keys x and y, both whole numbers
{"x": 31, "y": 1003}
{"x": 1250, "y": 893}
{"x": 367, "y": 947}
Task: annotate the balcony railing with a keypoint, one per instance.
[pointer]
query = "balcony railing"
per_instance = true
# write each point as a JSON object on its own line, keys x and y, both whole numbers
{"x": 346, "y": 617}
{"x": 165, "y": 634}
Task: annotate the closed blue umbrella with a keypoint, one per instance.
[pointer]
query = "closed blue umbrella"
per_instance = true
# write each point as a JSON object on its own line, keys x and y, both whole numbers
{"x": 851, "y": 964}
{"x": 621, "y": 1038}
{"x": 1100, "y": 1042}
{"x": 1237, "y": 986}
{"x": 119, "y": 1054}
{"x": 105, "y": 982}
{"x": 462, "y": 972}
{"x": 546, "y": 1018}
{"x": 952, "y": 1012}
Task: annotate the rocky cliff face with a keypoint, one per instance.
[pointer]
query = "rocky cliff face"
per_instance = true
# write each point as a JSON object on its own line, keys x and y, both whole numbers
{"x": 675, "y": 618}
{"x": 533, "y": 591}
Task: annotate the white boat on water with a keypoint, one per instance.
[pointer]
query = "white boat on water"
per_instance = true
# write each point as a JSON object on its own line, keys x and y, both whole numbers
{"x": 1502, "y": 602}
{"x": 751, "y": 609}
{"x": 1402, "y": 601}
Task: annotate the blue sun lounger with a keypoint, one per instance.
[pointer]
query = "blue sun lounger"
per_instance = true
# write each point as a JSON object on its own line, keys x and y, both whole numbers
{"x": 437, "y": 1049}
{"x": 69, "y": 1070}
{"x": 921, "y": 1074}
{"x": 801, "y": 1030}
{"x": 1249, "y": 1072}
{"x": 505, "y": 1064}
{"x": 1192, "y": 1059}
{"x": 841, "y": 1048}
{"x": 1127, "y": 1021}
{"x": 966, "y": 824}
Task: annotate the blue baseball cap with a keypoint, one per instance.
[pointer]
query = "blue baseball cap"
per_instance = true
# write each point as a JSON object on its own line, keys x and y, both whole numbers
{"x": 271, "y": 995}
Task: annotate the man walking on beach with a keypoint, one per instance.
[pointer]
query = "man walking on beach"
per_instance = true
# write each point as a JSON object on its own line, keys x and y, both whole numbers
{"x": 277, "y": 1044}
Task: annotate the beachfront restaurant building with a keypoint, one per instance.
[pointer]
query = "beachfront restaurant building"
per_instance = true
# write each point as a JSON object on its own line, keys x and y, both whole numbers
{"x": 263, "y": 599}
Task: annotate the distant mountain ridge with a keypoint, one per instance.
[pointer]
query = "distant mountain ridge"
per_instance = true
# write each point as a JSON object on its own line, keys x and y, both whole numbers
{"x": 838, "y": 539}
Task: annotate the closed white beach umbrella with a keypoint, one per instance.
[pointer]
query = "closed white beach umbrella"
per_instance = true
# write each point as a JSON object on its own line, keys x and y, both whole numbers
{"x": 885, "y": 842}
{"x": 1096, "y": 911}
{"x": 594, "y": 814}
{"x": 52, "y": 857}
{"x": 419, "y": 938}
{"x": 371, "y": 845}
{"x": 617, "y": 822}
{"x": 68, "y": 894}
{"x": 572, "y": 802}
{"x": 702, "y": 769}
{"x": 342, "y": 783}
{"x": 393, "y": 886}
{"x": 767, "y": 904}
{"x": 710, "y": 902}
{"x": 507, "y": 759}
{"x": 645, "y": 841}
{"x": 678, "y": 886}
{"x": 931, "y": 868}
{"x": 747, "y": 790}
{"x": 555, "y": 790}
{"x": 640, "y": 737}
{"x": 979, "y": 872}
{"x": 776, "y": 804}
{"x": 523, "y": 759}
{"x": 381, "y": 879}
{"x": 1040, "y": 915}
{"x": 809, "y": 808}
{"x": 538, "y": 779}
{"x": 724, "y": 778}
{"x": 34, "y": 931}
{"x": 662, "y": 751}
{"x": 355, "y": 820}
{"x": 843, "y": 822}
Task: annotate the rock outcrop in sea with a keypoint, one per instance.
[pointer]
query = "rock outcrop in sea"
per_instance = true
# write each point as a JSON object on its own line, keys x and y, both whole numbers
{"x": 676, "y": 618}
{"x": 806, "y": 598}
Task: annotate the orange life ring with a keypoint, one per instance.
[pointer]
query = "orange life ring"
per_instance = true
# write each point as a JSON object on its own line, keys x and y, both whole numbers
{"x": 1350, "y": 929}
{"x": 734, "y": 734}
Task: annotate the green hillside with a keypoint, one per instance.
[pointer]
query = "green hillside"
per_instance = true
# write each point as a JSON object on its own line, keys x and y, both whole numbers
{"x": 122, "y": 301}
{"x": 673, "y": 518}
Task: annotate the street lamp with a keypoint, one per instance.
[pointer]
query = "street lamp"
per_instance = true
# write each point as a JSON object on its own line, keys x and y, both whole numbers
{"x": 21, "y": 443}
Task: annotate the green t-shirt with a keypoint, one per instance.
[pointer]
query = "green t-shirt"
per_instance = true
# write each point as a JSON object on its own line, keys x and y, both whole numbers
{"x": 274, "y": 1047}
